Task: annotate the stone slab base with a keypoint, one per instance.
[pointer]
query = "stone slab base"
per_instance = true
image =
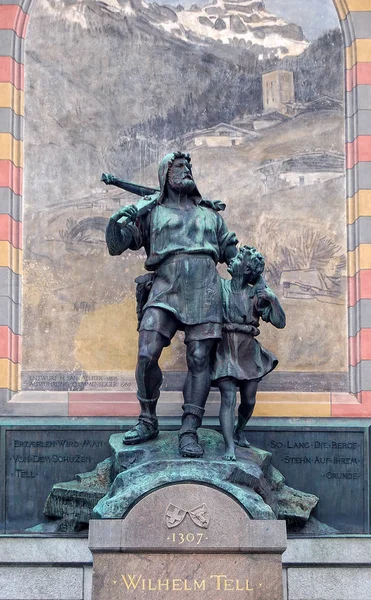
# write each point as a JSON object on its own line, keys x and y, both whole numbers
{"x": 187, "y": 540}
{"x": 61, "y": 569}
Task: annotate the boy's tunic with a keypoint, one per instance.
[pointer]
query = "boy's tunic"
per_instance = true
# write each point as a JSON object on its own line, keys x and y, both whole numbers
{"x": 239, "y": 355}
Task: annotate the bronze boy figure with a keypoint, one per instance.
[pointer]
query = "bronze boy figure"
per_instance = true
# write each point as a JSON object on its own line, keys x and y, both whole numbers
{"x": 240, "y": 361}
{"x": 184, "y": 237}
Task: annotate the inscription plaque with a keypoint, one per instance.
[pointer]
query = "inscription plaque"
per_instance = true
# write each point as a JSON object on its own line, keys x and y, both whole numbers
{"x": 329, "y": 463}
{"x": 140, "y": 556}
{"x": 35, "y": 460}
{"x": 77, "y": 381}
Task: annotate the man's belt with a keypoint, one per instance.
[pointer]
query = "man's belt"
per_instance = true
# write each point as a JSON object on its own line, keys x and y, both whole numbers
{"x": 183, "y": 255}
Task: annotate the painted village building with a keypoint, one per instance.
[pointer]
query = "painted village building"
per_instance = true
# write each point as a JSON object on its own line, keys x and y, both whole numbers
{"x": 257, "y": 122}
{"x": 222, "y": 135}
{"x": 311, "y": 283}
{"x": 303, "y": 170}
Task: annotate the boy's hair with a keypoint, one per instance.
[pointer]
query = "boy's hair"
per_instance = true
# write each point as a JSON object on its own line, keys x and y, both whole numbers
{"x": 253, "y": 258}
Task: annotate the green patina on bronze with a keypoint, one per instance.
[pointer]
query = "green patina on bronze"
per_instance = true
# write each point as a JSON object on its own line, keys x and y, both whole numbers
{"x": 184, "y": 238}
{"x": 240, "y": 361}
{"x": 116, "y": 484}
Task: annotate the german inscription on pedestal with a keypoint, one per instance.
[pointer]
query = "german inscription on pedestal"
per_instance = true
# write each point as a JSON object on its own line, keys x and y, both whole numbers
{"x": 326, "y": 462}
{"x": 35, "y": 460}
{"x": 187, "y": 540}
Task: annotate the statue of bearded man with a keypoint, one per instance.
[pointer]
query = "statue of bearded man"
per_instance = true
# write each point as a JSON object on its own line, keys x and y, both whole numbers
{"x": 184, "y": 238}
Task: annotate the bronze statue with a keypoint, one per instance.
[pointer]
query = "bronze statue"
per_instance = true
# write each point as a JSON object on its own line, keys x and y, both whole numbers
{"x": 184, "y": 237}
{"x": 240, "y": 360}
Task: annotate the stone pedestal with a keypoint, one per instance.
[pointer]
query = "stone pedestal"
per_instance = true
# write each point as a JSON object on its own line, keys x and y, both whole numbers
{"x": 187, "y": 541}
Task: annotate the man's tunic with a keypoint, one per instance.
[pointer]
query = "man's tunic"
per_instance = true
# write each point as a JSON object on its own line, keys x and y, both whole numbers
{"x": 183, "y": 246}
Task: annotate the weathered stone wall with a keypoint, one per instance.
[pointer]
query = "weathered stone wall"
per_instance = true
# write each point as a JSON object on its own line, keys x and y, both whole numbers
{"x": 61, "y": 569}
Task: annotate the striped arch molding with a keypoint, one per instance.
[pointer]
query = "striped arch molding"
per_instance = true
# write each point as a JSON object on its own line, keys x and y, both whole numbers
{"x": 355, "y": 20}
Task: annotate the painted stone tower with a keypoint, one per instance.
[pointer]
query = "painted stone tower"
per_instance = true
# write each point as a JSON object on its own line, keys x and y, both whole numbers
{"x": 278, "y": 90}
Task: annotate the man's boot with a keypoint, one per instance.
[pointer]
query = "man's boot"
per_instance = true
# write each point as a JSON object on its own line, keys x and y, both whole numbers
{"x": 238, "y": 434}
{"x": 147, "y": 426}
{"x": 188, "y": 438}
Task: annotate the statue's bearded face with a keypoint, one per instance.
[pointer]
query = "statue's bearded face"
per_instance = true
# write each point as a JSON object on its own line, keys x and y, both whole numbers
{"x": 180, "y": 177}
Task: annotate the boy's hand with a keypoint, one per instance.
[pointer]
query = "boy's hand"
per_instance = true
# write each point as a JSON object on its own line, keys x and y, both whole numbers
{"x": 265, "y": 294}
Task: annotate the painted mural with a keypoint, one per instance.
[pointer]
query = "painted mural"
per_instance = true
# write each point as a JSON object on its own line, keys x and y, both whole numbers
{"x": 258, "y": 102}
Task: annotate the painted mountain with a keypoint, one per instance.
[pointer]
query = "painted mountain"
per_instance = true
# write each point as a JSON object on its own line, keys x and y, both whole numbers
{"x": 243, "y": 23}
{"x": 112, "y": 86}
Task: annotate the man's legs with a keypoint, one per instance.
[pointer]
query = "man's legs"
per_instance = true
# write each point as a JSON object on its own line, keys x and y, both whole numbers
{"x": 195, "y": 392}
{"x": 148, "y": 373}
{"x": 149, "y": 378}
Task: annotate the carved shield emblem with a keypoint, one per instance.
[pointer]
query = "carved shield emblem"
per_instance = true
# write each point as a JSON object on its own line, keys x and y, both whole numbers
{"x": 174, "y": 515}
{"x": 200, "y": 516}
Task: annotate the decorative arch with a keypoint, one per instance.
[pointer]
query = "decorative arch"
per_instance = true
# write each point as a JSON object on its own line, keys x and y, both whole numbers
{"x": 355, "y": 20}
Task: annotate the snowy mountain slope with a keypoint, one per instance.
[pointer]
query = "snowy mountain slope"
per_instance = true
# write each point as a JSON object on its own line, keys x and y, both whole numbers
{"x": 239, "y": 23}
